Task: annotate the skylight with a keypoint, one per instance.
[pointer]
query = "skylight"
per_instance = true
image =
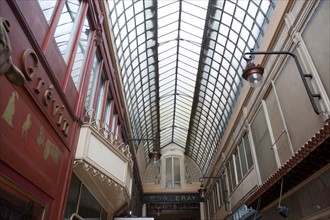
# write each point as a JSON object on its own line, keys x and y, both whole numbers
{"x": 180, "y": 62}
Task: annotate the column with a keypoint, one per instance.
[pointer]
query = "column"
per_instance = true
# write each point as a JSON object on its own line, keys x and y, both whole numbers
{"x": 202, "y": 210}
{"x": 144, "y": 210}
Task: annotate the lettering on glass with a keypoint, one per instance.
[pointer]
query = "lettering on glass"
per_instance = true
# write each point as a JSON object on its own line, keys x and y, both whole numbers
{"x": 10, "y": 109}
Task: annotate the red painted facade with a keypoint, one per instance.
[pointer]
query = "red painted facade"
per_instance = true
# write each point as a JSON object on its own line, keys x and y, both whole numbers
{"x": 38, "y": 125}
{"x": 40, "y": 121}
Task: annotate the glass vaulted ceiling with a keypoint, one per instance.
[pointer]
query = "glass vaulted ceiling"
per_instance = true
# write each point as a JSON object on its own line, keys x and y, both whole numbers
{"x": 180, "y": 62}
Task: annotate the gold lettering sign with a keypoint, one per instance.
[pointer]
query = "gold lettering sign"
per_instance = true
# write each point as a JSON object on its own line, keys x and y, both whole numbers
{"x": 30, "y": 66}
{"x": 29, "y": 71}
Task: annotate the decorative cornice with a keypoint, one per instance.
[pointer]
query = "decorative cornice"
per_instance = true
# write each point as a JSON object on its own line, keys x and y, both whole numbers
{"x": 97, "y": 173}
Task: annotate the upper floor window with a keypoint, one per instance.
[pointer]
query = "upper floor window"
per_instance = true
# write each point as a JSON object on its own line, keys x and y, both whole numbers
{"x": 48, "y": 7}
{"x": 262, "y": 143}
{"x": 66, "y": 27}
{"x": 108, "y": 110}
{"x": 240, "y": 163}
{"x": 114, "y": 124}
{"x": 231, "y": 174}
{"x": 172, "y": 173}
{"x": 79, "y": 61}
{"x": 91, "y": 89}
{"x": 245, "y": 156}
{"x": 100, "y": 99}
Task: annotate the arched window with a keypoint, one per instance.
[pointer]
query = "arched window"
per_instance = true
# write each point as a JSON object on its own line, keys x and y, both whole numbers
{"x": 173, "y": 173}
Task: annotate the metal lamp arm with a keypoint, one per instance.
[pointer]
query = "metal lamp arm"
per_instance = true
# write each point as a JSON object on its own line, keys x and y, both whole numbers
{"x": 208, "y": 177}
{"x": 142, "y": 139}
{"x": 303, "y": 76}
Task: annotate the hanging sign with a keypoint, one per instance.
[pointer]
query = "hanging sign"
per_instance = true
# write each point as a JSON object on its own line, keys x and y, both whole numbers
{"x": 170, "y": 198}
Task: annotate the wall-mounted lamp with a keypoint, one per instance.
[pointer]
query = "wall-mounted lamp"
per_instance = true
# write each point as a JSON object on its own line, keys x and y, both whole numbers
{"x": 253, "y": 73}
{"x": 202, "y": 189}
{"x": 154, "y": 155}
{"x": 158, "y": 209}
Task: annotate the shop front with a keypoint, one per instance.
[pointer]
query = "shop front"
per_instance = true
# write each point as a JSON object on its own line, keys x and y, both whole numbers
{"x": 37, "y": 127}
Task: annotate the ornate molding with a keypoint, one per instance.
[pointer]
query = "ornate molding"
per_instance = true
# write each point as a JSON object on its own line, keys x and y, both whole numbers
{"x": 103, "y": 130}
{"x": 98, "y": 174}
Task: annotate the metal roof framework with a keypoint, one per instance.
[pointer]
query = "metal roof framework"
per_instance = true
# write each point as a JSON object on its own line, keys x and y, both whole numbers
{"x": 180, "y": 63}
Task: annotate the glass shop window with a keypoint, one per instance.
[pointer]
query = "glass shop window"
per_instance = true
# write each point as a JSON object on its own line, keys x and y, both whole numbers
{"x": 172, "y": 171}
{"x": 82, "y": 204}
{"x": 14, "y": 205}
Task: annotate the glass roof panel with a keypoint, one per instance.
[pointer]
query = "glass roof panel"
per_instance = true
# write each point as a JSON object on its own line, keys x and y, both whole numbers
{"x": 180, "y": 63}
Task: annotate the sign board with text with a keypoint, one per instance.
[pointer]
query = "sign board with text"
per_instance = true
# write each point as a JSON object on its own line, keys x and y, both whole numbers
{"x": 171, "y": 198}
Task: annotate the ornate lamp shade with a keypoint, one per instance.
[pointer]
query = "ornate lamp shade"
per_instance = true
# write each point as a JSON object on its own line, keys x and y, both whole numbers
{"x": 154, "y": 156}
{"x": 253, "y": 74}
{"x": 202, "y": 192}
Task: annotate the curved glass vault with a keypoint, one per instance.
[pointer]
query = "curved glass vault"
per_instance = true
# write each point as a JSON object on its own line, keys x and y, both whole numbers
{"x": 180, "y": 62}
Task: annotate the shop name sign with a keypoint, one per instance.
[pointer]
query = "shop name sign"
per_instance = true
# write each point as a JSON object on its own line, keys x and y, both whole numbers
{"x": 45, "y": 90}
{"x": 170, "y": 198}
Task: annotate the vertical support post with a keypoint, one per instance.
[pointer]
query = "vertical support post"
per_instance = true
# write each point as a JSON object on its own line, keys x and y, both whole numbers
{"x": 202, "y": 210}
{"x": 144, "y": 210}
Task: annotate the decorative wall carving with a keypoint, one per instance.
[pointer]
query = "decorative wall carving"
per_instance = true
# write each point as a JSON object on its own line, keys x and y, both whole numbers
{"x": 7, "y": 68}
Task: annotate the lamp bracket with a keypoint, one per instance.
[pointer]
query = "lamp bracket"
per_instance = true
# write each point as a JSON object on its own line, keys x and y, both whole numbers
{"x": 209, "y": 177}
{"x": 142, "y": 139}
{"x": 303, "y": 76}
